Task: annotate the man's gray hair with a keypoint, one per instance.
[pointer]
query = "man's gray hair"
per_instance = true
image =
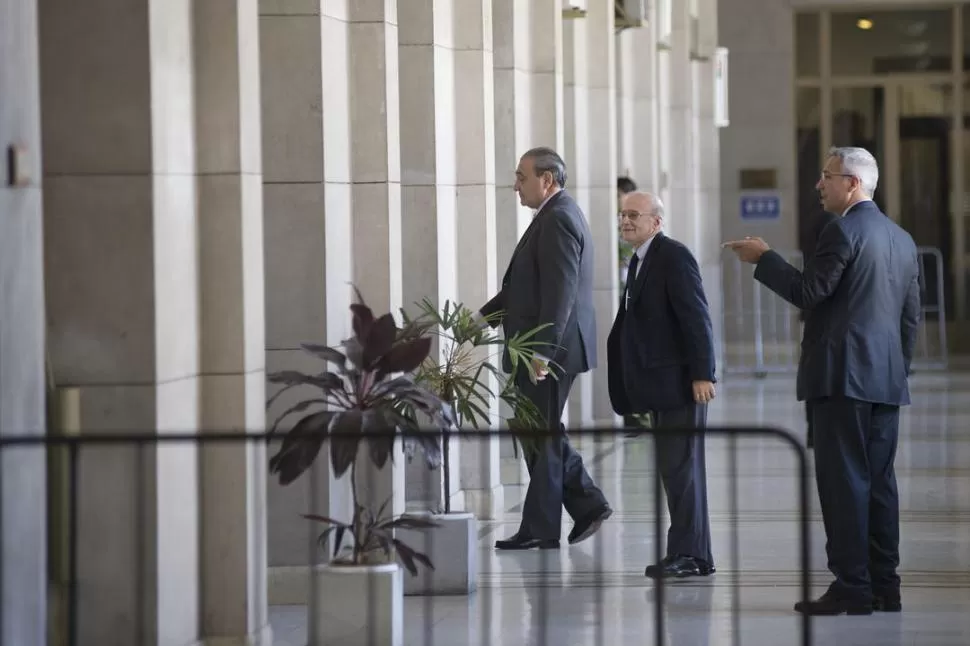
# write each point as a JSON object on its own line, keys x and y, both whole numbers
{"x": 860, "y": 163}
{"x": 546, "y": 159}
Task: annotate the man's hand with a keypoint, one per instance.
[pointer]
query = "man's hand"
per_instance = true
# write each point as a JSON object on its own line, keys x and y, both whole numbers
{"x": 703, "y": 391}
{"x": 748, "y": 250}
{"x": 540, "y": 367}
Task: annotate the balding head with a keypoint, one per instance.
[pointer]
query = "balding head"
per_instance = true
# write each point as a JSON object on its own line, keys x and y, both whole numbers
{"x": 641, "y": 216}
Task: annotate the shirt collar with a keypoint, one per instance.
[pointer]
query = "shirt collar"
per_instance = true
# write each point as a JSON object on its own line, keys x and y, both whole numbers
{"x": 546, "y": 201}
{"x": 846, "y": 212}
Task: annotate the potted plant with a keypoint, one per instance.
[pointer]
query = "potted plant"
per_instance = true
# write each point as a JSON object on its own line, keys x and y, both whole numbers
{"x": 460, "y": 375}
{"x": 360, "y": 593}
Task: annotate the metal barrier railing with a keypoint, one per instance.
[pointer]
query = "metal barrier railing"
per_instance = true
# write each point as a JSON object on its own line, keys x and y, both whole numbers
{"x": 132, "y": 587}
{"x": 762, "y": 332}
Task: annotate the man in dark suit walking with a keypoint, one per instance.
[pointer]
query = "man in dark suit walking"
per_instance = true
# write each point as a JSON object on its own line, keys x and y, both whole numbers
{"x": 862, "y": 287}
{"x": 661, "y": 361}
{"x": 549, "y": 282}
{"x": 820, "y": 220}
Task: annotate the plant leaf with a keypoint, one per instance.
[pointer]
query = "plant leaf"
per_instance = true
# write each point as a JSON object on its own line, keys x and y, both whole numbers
{"x": 328, "y": 354}
{"x": 363, "y": 318}
{"x": 409, "y": 522}
{"x": 380, "y": 446}
{"x": 344, "y": 439}
{"x": 300, "y": 447}
{"x": 404, "y": 357}
{"x": 408, "y": 556}
{"x": 296, "y": 408}
{"x": 379, "y": 339}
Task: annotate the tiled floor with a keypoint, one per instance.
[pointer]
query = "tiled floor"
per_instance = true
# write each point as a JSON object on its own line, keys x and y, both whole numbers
{"x": 595, "y": 593}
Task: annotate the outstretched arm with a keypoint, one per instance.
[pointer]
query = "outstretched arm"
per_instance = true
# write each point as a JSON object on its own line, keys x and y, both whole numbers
{"x": 806, "y": 289}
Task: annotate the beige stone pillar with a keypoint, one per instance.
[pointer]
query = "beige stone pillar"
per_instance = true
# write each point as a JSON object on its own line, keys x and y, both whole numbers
{"x": 682, "y": 223}
{"x": 576, "y": 153}
{"x": 375, "y": 165}
{"x": 426, "y": 83}
{"x": 233, "y": 386}
{"x": 528, "y": 59}
{"x": 121, "y": 247}
{"x": 638, "y": 145}
{"x": 476, "y": 244}
{"x": 308, "y": 224}
{"x": 601, "y": 72}
{"x": 24, "y": 530}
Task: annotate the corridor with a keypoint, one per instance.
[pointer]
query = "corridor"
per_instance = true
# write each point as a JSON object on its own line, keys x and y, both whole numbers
{"x": 595, "y": 593}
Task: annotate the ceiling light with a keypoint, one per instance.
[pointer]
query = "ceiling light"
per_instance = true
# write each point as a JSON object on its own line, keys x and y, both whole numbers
{"x": 864, "y": 23}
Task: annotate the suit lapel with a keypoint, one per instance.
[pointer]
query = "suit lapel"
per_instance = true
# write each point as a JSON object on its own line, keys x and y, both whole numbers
{"x": 645, "y": 267}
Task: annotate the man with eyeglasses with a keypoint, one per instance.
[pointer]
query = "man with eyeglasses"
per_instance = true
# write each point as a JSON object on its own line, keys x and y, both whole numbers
{"x": 660, "y": 356}
{"x": 861, "y": 285}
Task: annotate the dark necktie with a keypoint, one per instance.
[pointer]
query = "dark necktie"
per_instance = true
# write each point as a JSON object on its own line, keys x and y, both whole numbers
{"x": 631, "y": 276}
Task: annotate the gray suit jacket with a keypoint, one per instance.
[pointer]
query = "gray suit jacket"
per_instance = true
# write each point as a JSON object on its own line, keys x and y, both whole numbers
{"x": 550, "y": 281}
{"x": 861, "y": 287}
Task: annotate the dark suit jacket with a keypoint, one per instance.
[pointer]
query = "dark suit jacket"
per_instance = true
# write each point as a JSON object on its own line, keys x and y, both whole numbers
{"x": 819, "y": 221}
{"x": 861, "y": 287}
{"x": 550, "y": 281}
{"x": 664, "y": 341}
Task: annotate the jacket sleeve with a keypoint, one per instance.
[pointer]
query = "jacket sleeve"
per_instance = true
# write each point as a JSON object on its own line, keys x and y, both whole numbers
{"x": 909, "y": 322}
{"x": 823, "y": 271}
{"x": 559, "y": 250}
{"x": 496, "y": 304}
{"x": 686, "y": 293}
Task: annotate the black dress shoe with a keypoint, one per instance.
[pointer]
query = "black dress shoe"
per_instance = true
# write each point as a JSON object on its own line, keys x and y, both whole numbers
{"x": 679, "y": 567}
{"x": 525, "y": 543}
{"x": 589, "y": 524}
{"x": 888, "y": 601}
{"x": 830, "y": 604}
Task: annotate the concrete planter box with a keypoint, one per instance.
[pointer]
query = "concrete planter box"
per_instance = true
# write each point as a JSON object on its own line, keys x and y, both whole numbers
{"x": 358, "y": 605}
{"x": 453, "y": 550}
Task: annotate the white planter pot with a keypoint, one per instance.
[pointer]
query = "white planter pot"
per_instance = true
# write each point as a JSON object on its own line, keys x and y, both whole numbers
{"x": 358, "y": 606}
{"x": 453, "y": 550}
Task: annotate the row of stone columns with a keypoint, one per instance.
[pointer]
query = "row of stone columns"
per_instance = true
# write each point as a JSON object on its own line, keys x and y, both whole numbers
{"x": 217, "y": 176}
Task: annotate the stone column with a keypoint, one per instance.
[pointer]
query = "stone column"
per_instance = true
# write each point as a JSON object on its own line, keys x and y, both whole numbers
{"x": 601, "y": 62}
{"x": 122, "y": 277}
{"x": 230, "y": 202}
{"x": 528, "y": 58}
{"x": 23, "y": 471}
{"x": 576, "y": 153}
{"x": 308, "y": 223}
{"x": 476, "y": 246}
{"x": 375, "y": 164}
{"x": 638, "y": 139}
{"x": 707, "y": 153}
{"x": 428, "y": 193}
{"x": 681, "y": 208}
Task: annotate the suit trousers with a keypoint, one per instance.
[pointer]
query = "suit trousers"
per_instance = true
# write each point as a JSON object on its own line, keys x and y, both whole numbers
{"x": 855, "y": 451}
{"x": 557, "y": 476}
{"x": 683, "y": 471}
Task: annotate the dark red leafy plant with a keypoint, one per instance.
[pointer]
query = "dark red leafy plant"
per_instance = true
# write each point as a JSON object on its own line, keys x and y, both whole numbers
{"x": 361, "y": 391}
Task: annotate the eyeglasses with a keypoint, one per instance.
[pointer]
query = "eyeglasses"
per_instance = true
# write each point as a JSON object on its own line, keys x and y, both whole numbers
{"x": 632, "y": 216}
{"x": 827, "y": 175}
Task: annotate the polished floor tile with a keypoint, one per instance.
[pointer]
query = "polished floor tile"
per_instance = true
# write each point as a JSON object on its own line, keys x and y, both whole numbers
{"x": 595, "y": 593}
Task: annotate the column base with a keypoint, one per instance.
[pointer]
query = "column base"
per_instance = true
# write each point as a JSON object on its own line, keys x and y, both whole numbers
{"x": 486, "y": 504}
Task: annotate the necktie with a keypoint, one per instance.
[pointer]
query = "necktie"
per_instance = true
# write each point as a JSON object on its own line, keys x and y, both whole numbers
{"x": 631, "y": 276}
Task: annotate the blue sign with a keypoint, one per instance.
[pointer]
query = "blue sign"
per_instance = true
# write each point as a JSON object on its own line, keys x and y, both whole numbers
{"x": 760, "y": 207}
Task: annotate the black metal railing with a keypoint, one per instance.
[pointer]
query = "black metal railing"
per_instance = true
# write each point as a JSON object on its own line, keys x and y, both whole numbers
{"x": 65, "y": 522}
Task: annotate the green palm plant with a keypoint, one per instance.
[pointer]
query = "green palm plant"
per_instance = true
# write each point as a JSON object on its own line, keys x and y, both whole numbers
{"x": 461, "y": 376}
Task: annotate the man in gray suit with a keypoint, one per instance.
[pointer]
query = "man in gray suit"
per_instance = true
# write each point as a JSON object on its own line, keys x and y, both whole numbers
{"x": 549, "y": 281}
{"x": 862, "y": 287}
